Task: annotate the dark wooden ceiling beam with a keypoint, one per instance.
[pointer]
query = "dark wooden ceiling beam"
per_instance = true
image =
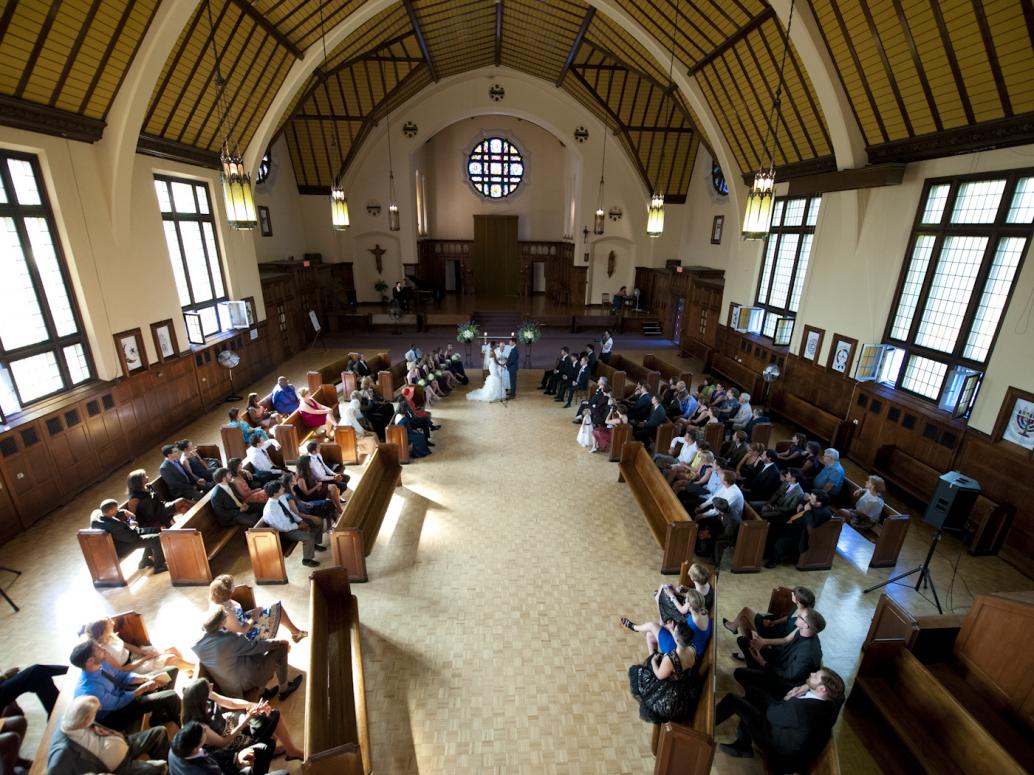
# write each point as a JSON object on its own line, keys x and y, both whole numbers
{"x": 1000, "y": 133}
{"x": 577, "y": 44}
{"x": 408, "y": 4}
{"x": 797, "y": 169}
{"x": 887, "y": 69}
{"x": 917, "y": 62}
{"x": 953, "y": 62}
{"x": 992, "y": 57}
{"x": 498, "y": 32}
{"x": 152, "y": 145}
{"x": 733, "y": 39}
{"x": 248, "y": 9}
{"x": 873, "y": 176}
{"x": 34, "y": 117}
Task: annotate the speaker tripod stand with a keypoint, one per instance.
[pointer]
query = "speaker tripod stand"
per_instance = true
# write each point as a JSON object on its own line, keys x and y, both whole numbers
{"x": 925, "y": 577}
{"x": 3, "y": 594}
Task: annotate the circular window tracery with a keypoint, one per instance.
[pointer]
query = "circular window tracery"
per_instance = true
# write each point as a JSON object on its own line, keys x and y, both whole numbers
{"x": 495, "y": 167}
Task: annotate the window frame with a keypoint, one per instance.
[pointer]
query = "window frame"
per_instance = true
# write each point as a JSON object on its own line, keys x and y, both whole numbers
{"x": 995, "y": 231}
{"x": 510, "y": 150}
{"x": 53, "y": 343}
{"x": 778, "y": 231}
{"x": 199, "y": 218}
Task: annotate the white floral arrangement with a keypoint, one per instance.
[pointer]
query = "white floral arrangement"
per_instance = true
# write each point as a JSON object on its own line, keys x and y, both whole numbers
{"x": 422, "y": 382}
{"x": 438, "y": 374}
{"x": 529, "y": 332}
{"x": 456, "y": 358}
{"x": 467, "y": 332}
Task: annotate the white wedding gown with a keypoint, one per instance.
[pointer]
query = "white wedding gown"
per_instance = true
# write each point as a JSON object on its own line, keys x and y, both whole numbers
{"x": 493, "y": 389}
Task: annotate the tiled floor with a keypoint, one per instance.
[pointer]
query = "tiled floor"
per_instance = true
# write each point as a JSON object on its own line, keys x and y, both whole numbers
{"x": 490, "y": 623}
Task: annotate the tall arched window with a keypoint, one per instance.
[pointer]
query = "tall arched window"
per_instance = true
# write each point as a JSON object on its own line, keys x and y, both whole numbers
{"x": 495, "y": 167}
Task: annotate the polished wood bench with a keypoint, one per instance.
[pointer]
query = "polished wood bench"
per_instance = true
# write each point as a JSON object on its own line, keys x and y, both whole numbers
{"x": 888, "y": 534}
{"x": 714, "y": 434}
{"x": 334, "y": 372}
{"x": 243, "y": 595}
{"x": 398, "y": 437}
{"x": 337, "y": 735}
{"x": 193, "y": 542}
{"x": 619, "y": 436}
{"x": 688, "y": 749}
{"x": 662, "y": 439}
{"x": 619, "y": 387}
{"x": 819, "y": 423}
{"x": 392, "y": 379}
{"x": 822, "y": 546}
{"x": 233, "y": 441}
{"x": 748, "y": 556}
{"x": 291, "y": 434}
{"x": 671, "y": 525}
{"x": 668, "y": 371}
{"x": 354, "y": 535}
{"x": 635, "y": 371}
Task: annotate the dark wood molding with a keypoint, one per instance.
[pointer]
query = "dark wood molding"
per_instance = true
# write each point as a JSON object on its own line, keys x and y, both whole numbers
{"x": 408, "y": 5}
{"x": 23, "y": 114}
{"x": 498, "y": 32}
{"x": 248, "y": 10}
{"x": 992, "y": 57}
{"x": 890, "y": 174}
{"x": 821, "y": 165}
{"x": 733, "y": 39}
{"x": 917, "y": 62}
{"x": 860, "y": 70}
{"x": 314, "y": 190}
{"x": 577, "y": 44}
{"x": 1000, "y": 133}
{"x": 953, "y": 62}
{"x": 170, "y": 149}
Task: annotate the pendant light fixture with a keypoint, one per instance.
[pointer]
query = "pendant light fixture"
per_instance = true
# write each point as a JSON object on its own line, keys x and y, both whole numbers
{"x": 393, "y": 202}
{"x": 236, "y": 182}
{"x": 757, "y": 220}
{"x": 655, "y": 214}
{"x": 339, "y": 220}
{"x": 599, "y": 217}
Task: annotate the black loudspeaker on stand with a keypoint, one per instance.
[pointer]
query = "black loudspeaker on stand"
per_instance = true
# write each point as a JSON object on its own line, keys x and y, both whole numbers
{"x": 948, "y": 509}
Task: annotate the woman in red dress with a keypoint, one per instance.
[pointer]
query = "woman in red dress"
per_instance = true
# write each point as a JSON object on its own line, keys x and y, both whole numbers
{"x": 313, "y": 414}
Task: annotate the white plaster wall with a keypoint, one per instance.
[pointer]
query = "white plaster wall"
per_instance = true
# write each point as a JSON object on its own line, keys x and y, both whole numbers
{"x": 279, "y": 192}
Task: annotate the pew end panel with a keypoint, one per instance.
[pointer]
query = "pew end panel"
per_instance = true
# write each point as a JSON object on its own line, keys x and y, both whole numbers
{"x": 212, "y": 452}
{"x": 267, "y": 555}
{"x": 619, "y": 435}
{"x": 385, "y": 385}
{"x": 761, "y": 433}
{"x": 186, "y": 557}
{"x": 233, "y": 441}
{"x": 822, "y": 546}
{"x": 679, "y": 543}
{"x": 345, "y": 438}
{"x": 889, "y": 541}
{"x": 286, "y": 435}
{"x": 349, "y": 552}
{"x": 662, "y": 440}
{"x": 397, "y": 436}
{"x": 102, "y": 560}
{"x": 714, "y": 434}
{"x": 314, "y": 379}
{"x": 683, "y": 750}
{"x": 748, "y": 555}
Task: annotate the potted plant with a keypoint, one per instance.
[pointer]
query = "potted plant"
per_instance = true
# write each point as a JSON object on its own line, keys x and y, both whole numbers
{"x": 380, "y": 286}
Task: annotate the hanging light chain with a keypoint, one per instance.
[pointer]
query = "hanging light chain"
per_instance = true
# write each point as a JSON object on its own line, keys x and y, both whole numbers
{"x": 773, "y": 123}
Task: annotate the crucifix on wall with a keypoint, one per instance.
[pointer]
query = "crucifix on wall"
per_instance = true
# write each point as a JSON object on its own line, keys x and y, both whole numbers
{"x": 378, "y": 252}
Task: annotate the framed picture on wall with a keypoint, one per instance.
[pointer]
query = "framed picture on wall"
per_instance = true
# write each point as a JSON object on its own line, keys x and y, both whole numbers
{"x": 842, "y": 353}
{"x": 1015, "y": 422}
{"x": 131, "y": 355}
{"x": 164, "y": 336}
{"x": 717, "y": 225}
{"x": 265, "y": 225}
{"x": 811, "y": 343}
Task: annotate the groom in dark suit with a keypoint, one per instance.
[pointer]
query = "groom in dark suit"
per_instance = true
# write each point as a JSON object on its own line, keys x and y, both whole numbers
{"x": 513, "y": 359}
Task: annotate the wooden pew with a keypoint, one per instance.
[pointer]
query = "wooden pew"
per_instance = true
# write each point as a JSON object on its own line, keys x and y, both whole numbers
{"x": 671, "y": 525}
{"x": 392, "y": 379}
{"x": 888, "y": 534}
{"x": 619, "y": 436}
{"x": 619, "y": 386}
{"x": 233, "y": 441}
{"x": 194, "y": 541}
{"x": 337, "y": 735}
{"x": 748, "y": 556}
{"x": 761, "y": 433}
{"x": 822, "y": 546}
{"x": 211, "y": 452}
{"x": 662, "y": 440}
{"x": 635, "y": 371}
{"x": 353, "y": 536}
{"x": 668, "y": 371}
{"x": 398, "y": 436}
{"x": 819, "y": 423}
{"x": 688, "y": 749}
{"x": 268, "y": 549}
{"x": 714, "y": 434}
{"x": 927, "y": 637}
{"x": 292, "y": 433}
{"x": 333, "y": 372}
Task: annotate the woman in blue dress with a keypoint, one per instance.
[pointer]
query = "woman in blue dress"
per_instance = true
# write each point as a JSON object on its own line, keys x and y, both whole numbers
{"x": 661, "y": 636}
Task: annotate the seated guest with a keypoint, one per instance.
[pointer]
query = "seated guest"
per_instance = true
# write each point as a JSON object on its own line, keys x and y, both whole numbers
{"x": 728, "y": 406}
{"x": 319, "y": 512}
{"x": 592, "y": 401}
{"x": 233, "y": 725}
{"x": 777, "y": 669}
{"x": 313, "y": 414}
{"x": 37, "y": 679}
{"x": 419, "y": 420}
{"x": 454, "y": 363}
{"x": 793, "y": 457}
{"x": 580, "y": 381}
{"x": 262, "y": 468}
{"x": 646, "y": 431}
{"x": 730, "y": 492}
{"x": 81, "y": 745}
{"x": 360, "y": 366}
{"x": 145, "y": 504}
{"x": 707, "y": 387}
{"x": 671, "y": 600}
{"x": 696, "y": 616}
{"x": 228, "y": 507}
{"x": 203, "y": 468}
{"x": 238, "y": 665}
{"x": 784, "y": 502}
{"x": 195, "y": 751}
{"x": 321, "y": 470}
{"x": 791, "y": 732}
{"x": 145, "y": 660}
{"x": 791, "y": 538}
{"x": 128, "y": 536}
{"x": 750, "y": 464}
{"x": 323, "y": 497}
{"x": 692, "y": 487}
{"x": 683, "y": 450}
{"x": 257, "y": 415}
{"x": 722, "y": 532}
{"x": 734, "y": 450}
{"x": 181, "y": 481}
{"x": 685, "y": 407}
{"x": 868, "y": 504}
{"x": 747, "y": 622}
{"x": 811, "y": 466}
{"x": 550, "y": 376}
{"x": 590, "y": 356}
{"x": 701, "y": 417}
{"x": 124, "y": 696}
{"x": 375, "y": 409}
{"x": 284, "y": 397}
{"x": 259, "y": 622}
{"x": 743, "y": 415}
{"x": 352, "y": 416}
{"x": 831, "y": 477}
{"x": 416, "y": 438}
{"x": 758, "y": 417}
{"x": 606, "y": 346}
{"x": 246, "y": 430}
{"x": 241, "y": 482}
{"x": 280, "y": 516}
{"x": 664, "y": 684}
{"x": 765, "y": 481}
{"x": 639, "y": 404}
{"x": 602, "y": 435}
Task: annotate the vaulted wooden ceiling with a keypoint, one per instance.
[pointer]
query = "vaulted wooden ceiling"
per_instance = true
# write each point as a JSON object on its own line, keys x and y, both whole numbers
{"x": 922, "y": 78}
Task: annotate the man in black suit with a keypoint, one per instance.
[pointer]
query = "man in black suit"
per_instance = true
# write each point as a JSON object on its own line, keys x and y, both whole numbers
{"x": 647, "y": 430}
{"x": 187, "y": 757}
{"x": 638, "y": 406}
{"x": 568, "y": 369}
{"x": 766, "y": 481}
{"x": 776, "y": 669}
{"x": 784, "y": 502}
{"x": 580, "y": 381}
{"x": 361, "y": 367}
{"x": 551, "y": 376}
{"x": 593, "y": 400}
{"x": 601, "y": 410}
{"x": 791, "y": 539}
{"x": 734, "y": 450}
{"x": 127, "y": 536}
{"x": 590, "y": 354}
{"x": 181, "y": 482}
{"x": 229, "y": 509}
{"x": 792, "y": 731}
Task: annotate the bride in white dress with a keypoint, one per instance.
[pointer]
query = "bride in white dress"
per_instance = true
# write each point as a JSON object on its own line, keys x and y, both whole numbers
{"x": 493, "y": 389}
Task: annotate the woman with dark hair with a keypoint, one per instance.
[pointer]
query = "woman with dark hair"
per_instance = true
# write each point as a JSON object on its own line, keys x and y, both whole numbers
{"x": 418, "y": 444}
{"x": 148, "y": 507}
{"x": 311, "y": 490}
{"x": 231, "y": 725}
{"x": 664, "y": 684}
{"x": 258, "y": 415}
{"x": 811, "y": 465}
{"x": 242, "y": 484}
{"x": 248, "y": 431}
{"x": 773, "y": 628}
{"x": 793, "y": 457}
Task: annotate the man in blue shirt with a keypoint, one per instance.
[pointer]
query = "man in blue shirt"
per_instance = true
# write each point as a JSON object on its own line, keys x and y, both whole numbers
{"x": 688, "y": 405}
{"x": 285, "y": 399}
{"x": 831, "y": 477}
{"x": 124, "y": 697}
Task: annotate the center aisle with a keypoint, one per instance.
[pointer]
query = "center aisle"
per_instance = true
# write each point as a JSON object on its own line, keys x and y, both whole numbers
{"x": 490, "y": 633}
